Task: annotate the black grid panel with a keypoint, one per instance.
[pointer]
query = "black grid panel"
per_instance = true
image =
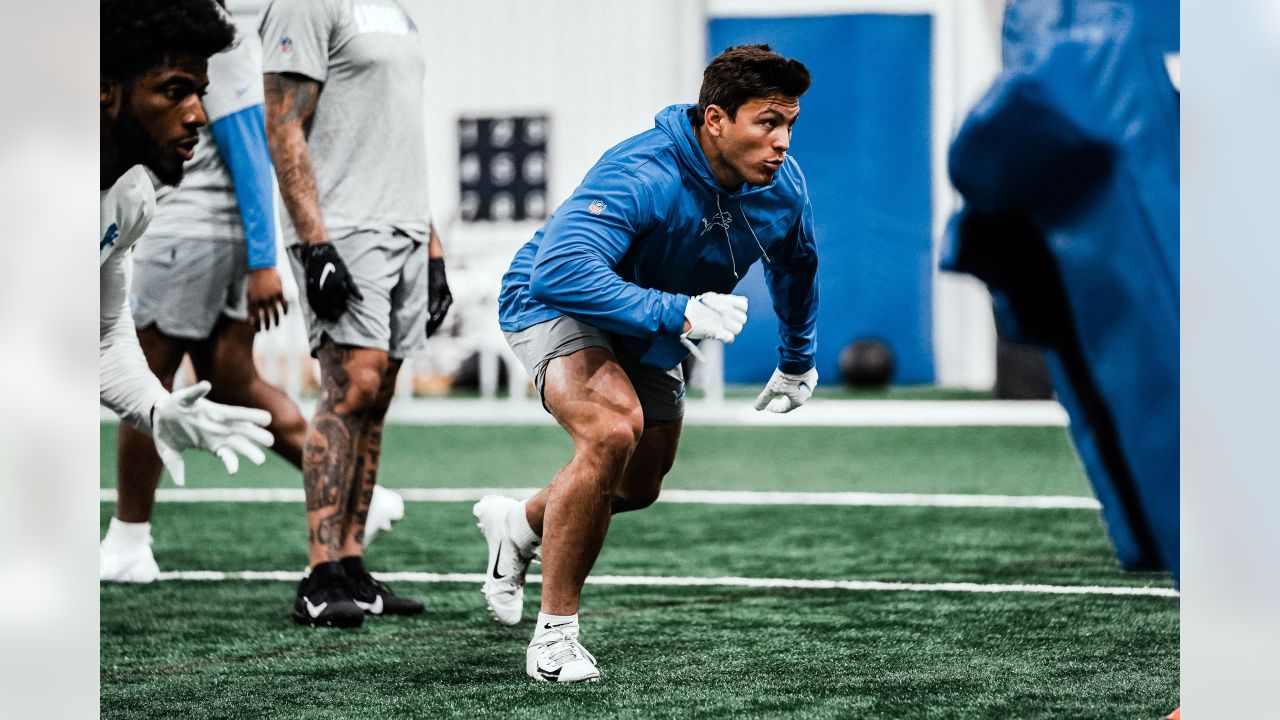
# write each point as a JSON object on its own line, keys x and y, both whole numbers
{"x": 502, "y": 168}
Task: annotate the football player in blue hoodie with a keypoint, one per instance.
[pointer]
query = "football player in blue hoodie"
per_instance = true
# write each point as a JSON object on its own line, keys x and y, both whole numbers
{"x": 605, "y": 301}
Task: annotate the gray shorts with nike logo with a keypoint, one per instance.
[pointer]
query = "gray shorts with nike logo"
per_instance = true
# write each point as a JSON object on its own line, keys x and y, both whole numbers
{"x": 661, "y": 392}
{"x": 391, "y": 271}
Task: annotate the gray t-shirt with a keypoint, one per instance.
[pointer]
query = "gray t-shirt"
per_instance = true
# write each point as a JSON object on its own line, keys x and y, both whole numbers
{"x": 367, "y": 139}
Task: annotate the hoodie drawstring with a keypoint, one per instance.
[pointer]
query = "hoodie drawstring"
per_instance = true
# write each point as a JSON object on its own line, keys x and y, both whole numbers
{"x": 725, "y": 226}
{"x": 763, "y": 254}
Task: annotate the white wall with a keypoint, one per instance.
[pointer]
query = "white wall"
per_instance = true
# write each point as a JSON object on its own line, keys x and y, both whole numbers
{"x": 601, "y": 69}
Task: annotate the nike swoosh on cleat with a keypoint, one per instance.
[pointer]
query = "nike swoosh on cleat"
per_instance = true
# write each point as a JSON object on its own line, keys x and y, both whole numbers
{"x": 315, "y": 610}
{"x": 325, "y": 272}
{"x": 374, "y": 607}
{"x": 549, "y": 675}
{"x": 496, "y": 558}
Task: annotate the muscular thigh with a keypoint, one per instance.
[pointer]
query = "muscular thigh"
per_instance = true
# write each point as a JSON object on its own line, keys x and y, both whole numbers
{"x": 586, "y": 386}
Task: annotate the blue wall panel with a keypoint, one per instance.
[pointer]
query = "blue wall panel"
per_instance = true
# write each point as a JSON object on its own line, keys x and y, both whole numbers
{"x": 863, "y": 142}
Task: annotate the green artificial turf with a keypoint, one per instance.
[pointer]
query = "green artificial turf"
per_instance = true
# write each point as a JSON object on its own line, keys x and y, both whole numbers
{"x": 911, "y": 544}
{"x": 991, "y": 460}
{"x": 227, "y": 649}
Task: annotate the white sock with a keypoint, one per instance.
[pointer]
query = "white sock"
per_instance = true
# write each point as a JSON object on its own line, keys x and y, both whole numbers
{"x": 567, "y": 624}
{"x": 129, "y": 533}
{"x": 519, "y": 529}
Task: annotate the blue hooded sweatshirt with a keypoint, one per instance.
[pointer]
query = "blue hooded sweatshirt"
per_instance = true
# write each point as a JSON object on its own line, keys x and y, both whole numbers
{"x": 648, "y": 228}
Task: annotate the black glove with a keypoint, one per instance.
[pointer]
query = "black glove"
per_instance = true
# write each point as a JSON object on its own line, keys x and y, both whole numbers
{"x": 438, "y": 296}
{"x": 329, "y": 284}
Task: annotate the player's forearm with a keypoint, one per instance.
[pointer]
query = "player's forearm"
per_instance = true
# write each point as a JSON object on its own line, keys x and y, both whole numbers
{"x": 795, "y": 302}
{"x": 290, "y": 104}
{"x": 595, "y": 294}
{"x": 435, "y": 248}
{"x": 125, "y": 383}
{"x": 242, "y": 142}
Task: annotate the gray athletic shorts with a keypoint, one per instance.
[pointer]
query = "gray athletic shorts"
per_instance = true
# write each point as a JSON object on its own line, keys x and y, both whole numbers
{"x": 391, "y": 272}
{"x": 183, "y": 286}
{"x": 661, "y": 392}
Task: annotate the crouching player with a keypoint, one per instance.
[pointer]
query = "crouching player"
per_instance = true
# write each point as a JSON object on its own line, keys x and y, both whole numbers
{"x": 154, "y": 69}
{"x": 604, "y": 302}
{"x": 204, "y": 281}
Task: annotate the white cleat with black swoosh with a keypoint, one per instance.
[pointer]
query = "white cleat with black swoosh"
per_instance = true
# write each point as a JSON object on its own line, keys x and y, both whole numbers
{"x": 505, "y": 573}
{"x": 556, "y": 656}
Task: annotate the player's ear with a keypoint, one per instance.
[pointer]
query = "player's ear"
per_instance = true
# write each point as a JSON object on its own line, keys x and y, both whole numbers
{"x": 713, "y": 119}
{"x": 110, "y": 95}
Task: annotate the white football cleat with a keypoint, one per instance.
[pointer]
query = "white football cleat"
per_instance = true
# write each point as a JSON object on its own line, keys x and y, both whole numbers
{"x": 504, "y": 575}
{"x": 124, "y": 561}
{"x": 385, "y": 507}
{"x": 556, "y": 657}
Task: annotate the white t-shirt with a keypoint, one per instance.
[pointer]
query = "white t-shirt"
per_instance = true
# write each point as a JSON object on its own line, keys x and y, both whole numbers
{"x": 126, "y": 384}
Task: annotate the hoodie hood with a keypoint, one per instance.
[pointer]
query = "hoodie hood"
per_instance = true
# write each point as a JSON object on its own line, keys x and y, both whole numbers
{"x": 677, "y": 122}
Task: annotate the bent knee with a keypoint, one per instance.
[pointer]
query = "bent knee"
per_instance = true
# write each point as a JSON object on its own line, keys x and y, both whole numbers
{"x": 616, "y": 434}
{"x": 635, "y": 500}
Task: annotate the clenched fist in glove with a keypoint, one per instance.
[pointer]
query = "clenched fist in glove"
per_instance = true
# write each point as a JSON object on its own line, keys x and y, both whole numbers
{"x": 329, "y": 284}
{"x": 713, "y": 316}
{"x": 785, "y": 392}
{"x": 184, "y": 419}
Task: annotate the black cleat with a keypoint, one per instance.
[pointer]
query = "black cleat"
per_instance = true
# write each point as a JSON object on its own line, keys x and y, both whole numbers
{"x": 374, "y": 597}
{"x": 325, "y": 599}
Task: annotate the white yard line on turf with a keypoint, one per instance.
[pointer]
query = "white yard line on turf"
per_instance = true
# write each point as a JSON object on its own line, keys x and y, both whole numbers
{"x": 816, "y": 413}
{"x": 661, "y": 581}
{"x": 702, "y": 497}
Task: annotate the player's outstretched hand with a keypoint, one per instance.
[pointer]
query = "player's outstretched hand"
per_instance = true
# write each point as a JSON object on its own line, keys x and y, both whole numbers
{"x": 439, "y": 299}
{"x": 265, "y": 298}
{"x": 785, "y": 392}
{"x": 185, "y": 419}
{"x": 329, "y": 284}
{"x": 713, "y": 316}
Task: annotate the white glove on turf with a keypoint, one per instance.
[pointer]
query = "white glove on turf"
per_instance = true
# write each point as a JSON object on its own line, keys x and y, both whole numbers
{"x": 184, "y": 419}
{"x": 713, "y": 316}
{"x": 785, "y": 392}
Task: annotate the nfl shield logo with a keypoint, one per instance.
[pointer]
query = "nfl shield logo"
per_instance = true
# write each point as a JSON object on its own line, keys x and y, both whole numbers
{"x": 286, "y": 45}
{"x": 596, "y": 207}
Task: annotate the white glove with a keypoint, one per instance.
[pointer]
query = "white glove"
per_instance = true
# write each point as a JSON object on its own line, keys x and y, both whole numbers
{"x": 184, "y": 419}
{"x": 713, "y": 316}
{"x": 785, "y": 392}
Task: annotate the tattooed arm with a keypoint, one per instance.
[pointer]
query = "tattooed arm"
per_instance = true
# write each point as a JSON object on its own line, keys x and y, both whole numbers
{"x": 291, "y": 103}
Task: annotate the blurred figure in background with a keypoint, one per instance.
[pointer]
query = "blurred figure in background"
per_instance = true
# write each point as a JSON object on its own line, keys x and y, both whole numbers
{"x": 154, "y": 70}
{"x": 606, "y": 300}
{"x": 204, "y": 281}
{"x": 1069, "y": 168}
{"x": 344, "y": 105}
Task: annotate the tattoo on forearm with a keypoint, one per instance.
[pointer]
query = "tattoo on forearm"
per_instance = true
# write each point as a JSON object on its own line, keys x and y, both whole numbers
{"x": 290, "y": 105}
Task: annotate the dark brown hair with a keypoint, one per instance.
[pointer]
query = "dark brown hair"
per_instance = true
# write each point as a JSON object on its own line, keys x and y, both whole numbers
{"x": 746, "y": 72}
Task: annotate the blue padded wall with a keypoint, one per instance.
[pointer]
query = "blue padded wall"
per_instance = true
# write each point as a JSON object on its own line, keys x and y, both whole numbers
{"x": 863, "y": 143}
